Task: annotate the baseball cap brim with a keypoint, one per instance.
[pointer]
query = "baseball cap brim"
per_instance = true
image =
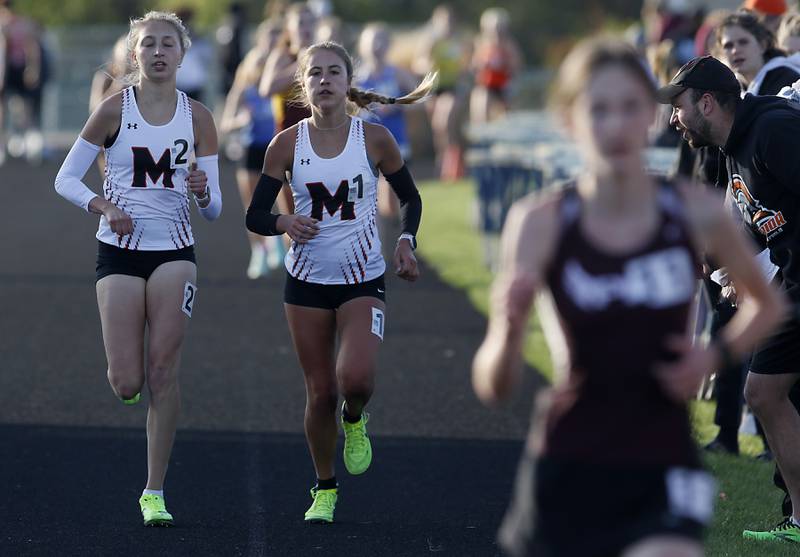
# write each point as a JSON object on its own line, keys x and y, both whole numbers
{"x": 665, "y": 94}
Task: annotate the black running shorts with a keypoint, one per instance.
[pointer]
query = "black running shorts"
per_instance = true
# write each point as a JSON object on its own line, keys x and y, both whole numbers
{"x": 566, "y": 508}
{"x": 112, "y": 260}
{"x": 253, "y": 157}
{"x": 330, "y": 296}
{"x": 780, "y": 353}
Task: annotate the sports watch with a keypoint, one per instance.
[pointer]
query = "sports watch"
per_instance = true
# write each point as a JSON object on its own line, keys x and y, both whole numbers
{"x": 410, "y": 237}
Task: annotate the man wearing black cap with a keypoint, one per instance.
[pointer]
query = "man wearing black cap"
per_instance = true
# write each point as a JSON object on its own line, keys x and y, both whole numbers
{"x": 758, "y": 138}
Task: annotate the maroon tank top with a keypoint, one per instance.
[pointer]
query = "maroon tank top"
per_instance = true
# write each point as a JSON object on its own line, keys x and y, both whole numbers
{"x": 616, "y": 311}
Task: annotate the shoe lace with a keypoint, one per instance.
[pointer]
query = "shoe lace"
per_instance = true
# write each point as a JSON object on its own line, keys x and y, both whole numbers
{"x": 323, "y": 500}
{"x": 357, "y": 437}
{"x": 786, "y": 524}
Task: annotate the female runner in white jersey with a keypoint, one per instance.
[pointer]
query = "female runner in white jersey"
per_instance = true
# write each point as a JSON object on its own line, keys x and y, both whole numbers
{"x": 335, "y": 284}
{"x": 146, "y": 265}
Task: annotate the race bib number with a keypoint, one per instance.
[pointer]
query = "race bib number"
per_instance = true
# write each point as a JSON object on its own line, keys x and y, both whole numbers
{"x": 377, "y": 323}
{"x": 189, "y": 293}
{"x": 179, "y": 155}
{"x": 690, "y": 494}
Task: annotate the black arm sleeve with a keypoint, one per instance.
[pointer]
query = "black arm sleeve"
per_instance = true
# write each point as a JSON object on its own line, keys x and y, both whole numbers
{"x": 410, "y": 202}
{"x": 260, "y": 218}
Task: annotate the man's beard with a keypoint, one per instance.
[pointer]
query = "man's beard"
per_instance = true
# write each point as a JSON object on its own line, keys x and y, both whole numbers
{"x": 699, "y": 135}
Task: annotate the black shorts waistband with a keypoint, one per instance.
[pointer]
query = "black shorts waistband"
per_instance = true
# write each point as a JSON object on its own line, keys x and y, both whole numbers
{"x": 113, "y": 260}
{"x": 330, "y": 296}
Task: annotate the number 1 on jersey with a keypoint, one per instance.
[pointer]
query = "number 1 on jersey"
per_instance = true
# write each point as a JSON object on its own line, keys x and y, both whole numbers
{"x": 356, "y": 189}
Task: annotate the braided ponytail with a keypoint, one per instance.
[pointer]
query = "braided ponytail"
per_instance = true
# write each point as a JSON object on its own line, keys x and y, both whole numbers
{"x": 361, "y": 99}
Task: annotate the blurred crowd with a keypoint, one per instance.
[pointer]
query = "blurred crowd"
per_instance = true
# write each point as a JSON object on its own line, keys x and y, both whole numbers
{"x": 760, "y": 43}
{"x": 251, "y": 61}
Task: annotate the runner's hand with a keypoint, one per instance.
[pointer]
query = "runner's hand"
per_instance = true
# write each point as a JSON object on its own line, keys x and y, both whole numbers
{"x": 119, "y": 221}
{"x": 405, "y": 263}
{"x": 300, "y": 228}
{"x": 197, "y": 181}
{"x": 682, "y": 378}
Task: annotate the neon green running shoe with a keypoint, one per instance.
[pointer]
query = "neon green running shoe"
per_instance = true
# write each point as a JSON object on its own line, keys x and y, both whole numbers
{"x": 321, "y": 510}
{"x": 131, "y": 401}
{"x": 786, "y": 530}
{"x": 357, "y": 448}
{"x": 154, "y": 511}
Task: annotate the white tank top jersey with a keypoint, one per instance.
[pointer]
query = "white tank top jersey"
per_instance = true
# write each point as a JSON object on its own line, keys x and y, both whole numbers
{"x": 145, "y": 176}
{"x": 341, "y": 193}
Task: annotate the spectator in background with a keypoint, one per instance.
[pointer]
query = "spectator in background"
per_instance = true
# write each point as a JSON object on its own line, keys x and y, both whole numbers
{"x": 230, "y": 36}
{"x": 330, "y": 28}
{"x": 110, "y": 79}
{"x": 495, "y": 61}
{"x": 663, "y": 60}
{"x": 446, "y": 51}
{"x": 669, "y": 20}
{"x": 23, "y": 80}
{"x": 251, "y": 114}
{"x": 770, "y": 11}
{"x": 789, "y": 35}
{"x": 705, "y": 35}
{"x": 748, "y": 48}
{"x": 376, "y": 74}
{"x": 278, "y": 80}
{"x": 3, "y": 66}
{"x": 193, "y": 71}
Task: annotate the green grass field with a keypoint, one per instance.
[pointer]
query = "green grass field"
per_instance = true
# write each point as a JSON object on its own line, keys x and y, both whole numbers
{"x": 450, "y": 244}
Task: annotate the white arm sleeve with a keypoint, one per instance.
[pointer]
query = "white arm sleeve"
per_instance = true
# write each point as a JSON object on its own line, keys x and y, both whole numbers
{"x": 69, "y": 181}
{"x": 208, "y": 164}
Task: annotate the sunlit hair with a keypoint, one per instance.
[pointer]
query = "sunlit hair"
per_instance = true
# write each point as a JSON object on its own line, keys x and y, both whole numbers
{"x": 588, "y": 57}
{"x": 135, "y": 29}
{"x": 358, "y": 98}
{"x": 789, "y": 27}
{"x": 750, "y": 22}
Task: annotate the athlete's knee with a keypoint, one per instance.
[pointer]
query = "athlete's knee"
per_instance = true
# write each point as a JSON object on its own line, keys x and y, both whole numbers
{"x": 762, "y": 396}
{"x": 322, "y": 399}
{"x": 125, "y": 384}
{"x": 161, "y": 373}
{"x": 357, "y": 382}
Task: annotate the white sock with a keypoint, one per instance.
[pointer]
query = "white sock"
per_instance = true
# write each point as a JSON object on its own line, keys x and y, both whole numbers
{"x": 159, "y": 492}
{"x": 795, "y": 522}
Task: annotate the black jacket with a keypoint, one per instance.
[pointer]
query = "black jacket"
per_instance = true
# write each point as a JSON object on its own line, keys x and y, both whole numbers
{"x": 762, "y": 160}
{"x": 777, "y": 79}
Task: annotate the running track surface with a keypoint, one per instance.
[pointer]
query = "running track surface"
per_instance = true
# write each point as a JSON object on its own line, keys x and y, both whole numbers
{"x": 73, "y": 457}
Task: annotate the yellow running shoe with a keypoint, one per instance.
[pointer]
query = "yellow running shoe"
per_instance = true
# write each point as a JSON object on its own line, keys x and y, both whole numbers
{"x": 786, "y": 531}
{"x": 154, "y": 511}
{"x": 357, "y": 448}
{"x": 321, "y": 510}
